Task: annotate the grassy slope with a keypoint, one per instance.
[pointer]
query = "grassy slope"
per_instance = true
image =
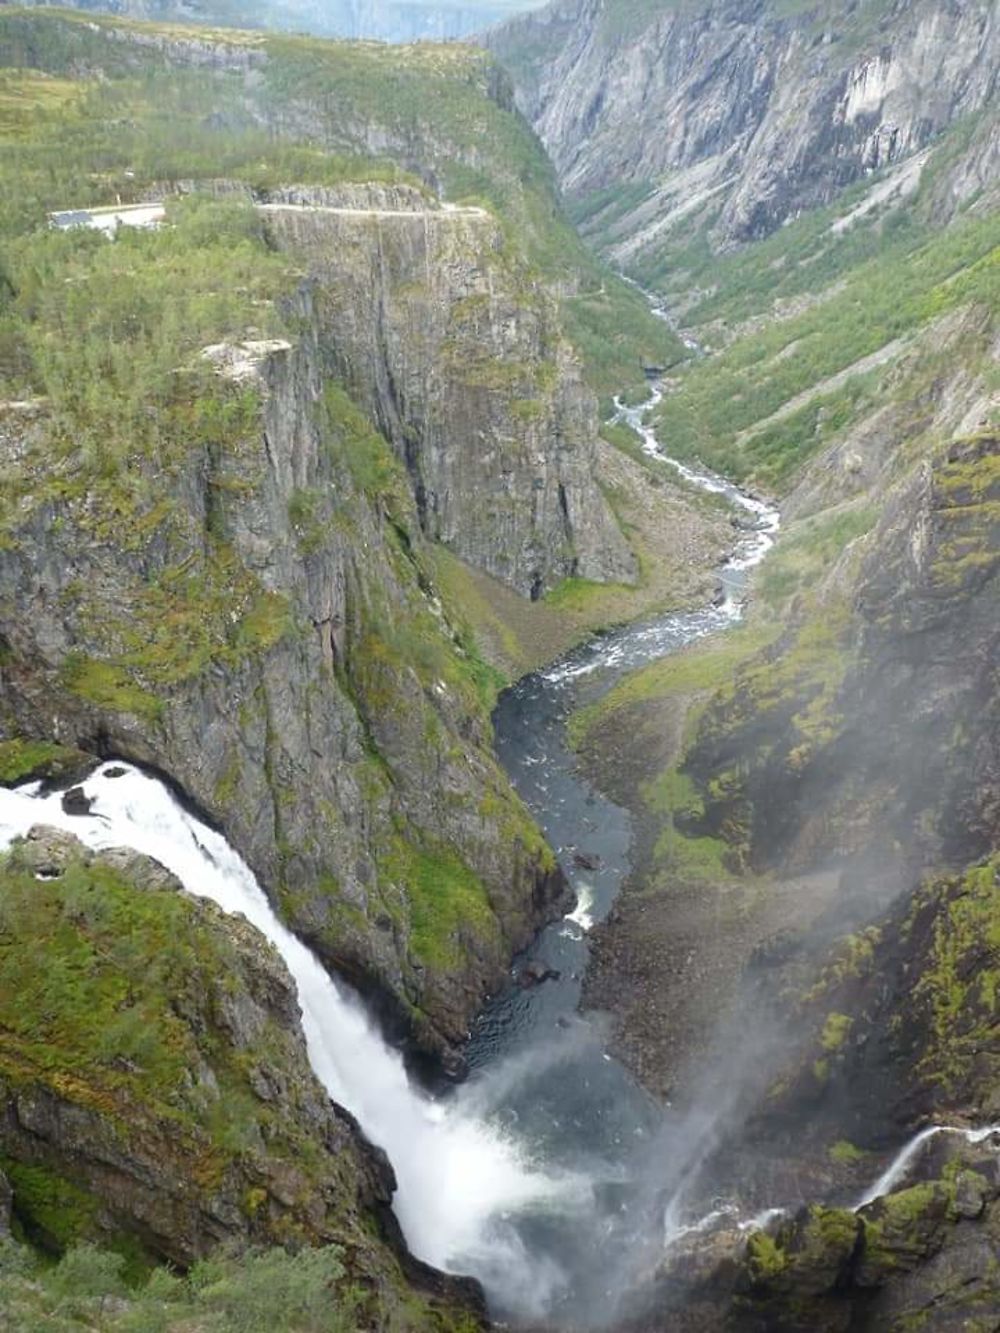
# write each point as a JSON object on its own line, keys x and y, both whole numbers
{"x": 769, "y": 400}
{"x": 438, "y": 109}
{"x": 788, "y": 316}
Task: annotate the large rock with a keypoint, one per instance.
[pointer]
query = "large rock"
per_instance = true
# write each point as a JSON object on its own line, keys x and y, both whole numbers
{"x": 457, "y": 354}
{"x": 161, "y": 1096}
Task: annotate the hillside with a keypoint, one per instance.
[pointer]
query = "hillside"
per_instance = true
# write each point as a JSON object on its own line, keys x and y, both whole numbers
{"x": 724, "y": 120}
{"x": 381, "y": 20}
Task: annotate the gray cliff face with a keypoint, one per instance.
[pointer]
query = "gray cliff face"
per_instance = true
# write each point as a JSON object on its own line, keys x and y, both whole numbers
{"x": 339, "y": 738}
{"x": 890, "y": 765}
{"x": 458, "y": 356}
{"x": 733, "y": 114}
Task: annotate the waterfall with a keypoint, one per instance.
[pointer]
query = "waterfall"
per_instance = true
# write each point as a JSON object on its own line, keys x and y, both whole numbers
{"x": 897, "y": 1169}
{"x": 460, "y": 1181}
{"x": 524, "y": 1207}
{"x": 894, "y": 1174}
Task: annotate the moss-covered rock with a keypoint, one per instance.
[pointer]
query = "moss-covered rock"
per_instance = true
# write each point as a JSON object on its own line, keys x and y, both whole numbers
{"x": 155, "y": 1093}
{"x": 809, "y": 1256}
{"x": 903, "y": 1229}
{"x": 26, "y": 761}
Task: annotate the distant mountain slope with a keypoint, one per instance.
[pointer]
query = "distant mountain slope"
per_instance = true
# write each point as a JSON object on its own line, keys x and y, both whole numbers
{"x": 735, "y": 116}
{"x": 385, "y": 20}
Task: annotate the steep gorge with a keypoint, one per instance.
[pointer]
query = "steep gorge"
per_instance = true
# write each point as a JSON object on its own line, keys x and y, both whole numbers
{"x": 248, "y": 597}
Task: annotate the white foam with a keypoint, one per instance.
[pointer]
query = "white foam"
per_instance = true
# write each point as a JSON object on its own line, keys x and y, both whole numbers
{"x": 582, "y": 913}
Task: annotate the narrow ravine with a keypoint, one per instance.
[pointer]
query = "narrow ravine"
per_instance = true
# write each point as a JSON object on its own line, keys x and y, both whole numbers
{"x": 549, "y": 1154}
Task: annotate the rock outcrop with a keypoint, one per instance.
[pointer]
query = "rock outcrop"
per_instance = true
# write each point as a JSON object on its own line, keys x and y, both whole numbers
{"x": 457, "y": 354}
{"x": 735, "y": 116}
{"x": 328, "y": 720}
{"x": 919, "y": 1257}
{"x": 155, "y": 1091}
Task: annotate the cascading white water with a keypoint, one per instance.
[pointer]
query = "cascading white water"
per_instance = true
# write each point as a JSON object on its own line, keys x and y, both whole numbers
{"x": 459, "y": 1179}
{"x": 898, "y": 1168}
{"x": 767, "y": 516}
{"x": 895, "y": 1173}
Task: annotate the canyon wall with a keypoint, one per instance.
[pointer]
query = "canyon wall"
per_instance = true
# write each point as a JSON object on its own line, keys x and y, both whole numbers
{"x": 735, "y": 117}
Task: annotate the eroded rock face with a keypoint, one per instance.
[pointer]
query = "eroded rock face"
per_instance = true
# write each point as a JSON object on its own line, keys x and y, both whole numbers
{"x": 868, "y": 734}
{"x": 737, "y": 109}
{"x": 206, "y": 1125}
{"x": 919, "y": 1257}
{"x": 457, "y": 354}
{"x": 338, "y": 737}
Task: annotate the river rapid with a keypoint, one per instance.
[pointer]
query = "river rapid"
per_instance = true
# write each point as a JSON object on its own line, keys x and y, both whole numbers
{"x": 549, "y": 1154}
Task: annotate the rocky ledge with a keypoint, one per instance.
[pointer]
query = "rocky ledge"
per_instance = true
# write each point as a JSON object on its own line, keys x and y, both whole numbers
{"x": 155, "y": 1092}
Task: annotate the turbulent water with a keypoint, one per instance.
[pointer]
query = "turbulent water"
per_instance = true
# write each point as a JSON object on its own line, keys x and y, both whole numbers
{"x": 459, "y": 1178}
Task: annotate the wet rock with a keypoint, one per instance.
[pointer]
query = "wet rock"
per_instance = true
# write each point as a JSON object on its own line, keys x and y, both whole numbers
{"x": 587, "y": 860}
{"x": 903, "y": 1229}
{"x": 77, "y": 802}
{"x": 776, "y": 950}
{"x": 115, "y": 772}
{"x": 808, "y": 1256}
{"x": 534, "y": 972}
{"x": 971, "y": 1192}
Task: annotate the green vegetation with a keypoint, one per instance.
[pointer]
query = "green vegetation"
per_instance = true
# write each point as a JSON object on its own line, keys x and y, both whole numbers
{"x": 101, "y": 986}
{"x": 370, "y": 461}
{"x": 23, "y": 759}
{"x": 853, "y": 956}
{"x": 958, "y": 992}
{"x": 810, "y": 368}
{"x": 611, "y": 327}
{"x": 905, "y": 1227}
{"x": 799, "y": 679}
{"x": 50, "y": 1210}
{"x": 699, "y": 669}
{"x": 765, "y": 1259}
{"x": 67, "y": 1011}
{"x": 807, "y": 1255}
{"x": 109, "y": 686}
{"x": 808, "y": 550}
{"x": 835, "y": 1031}
{"x": 845, "y": 1153}
{"x": 263, "y": 1291}
{"x": 449, "y": 908}
{"x": 109, "y": 334}
{"x": 79, "y": 144}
